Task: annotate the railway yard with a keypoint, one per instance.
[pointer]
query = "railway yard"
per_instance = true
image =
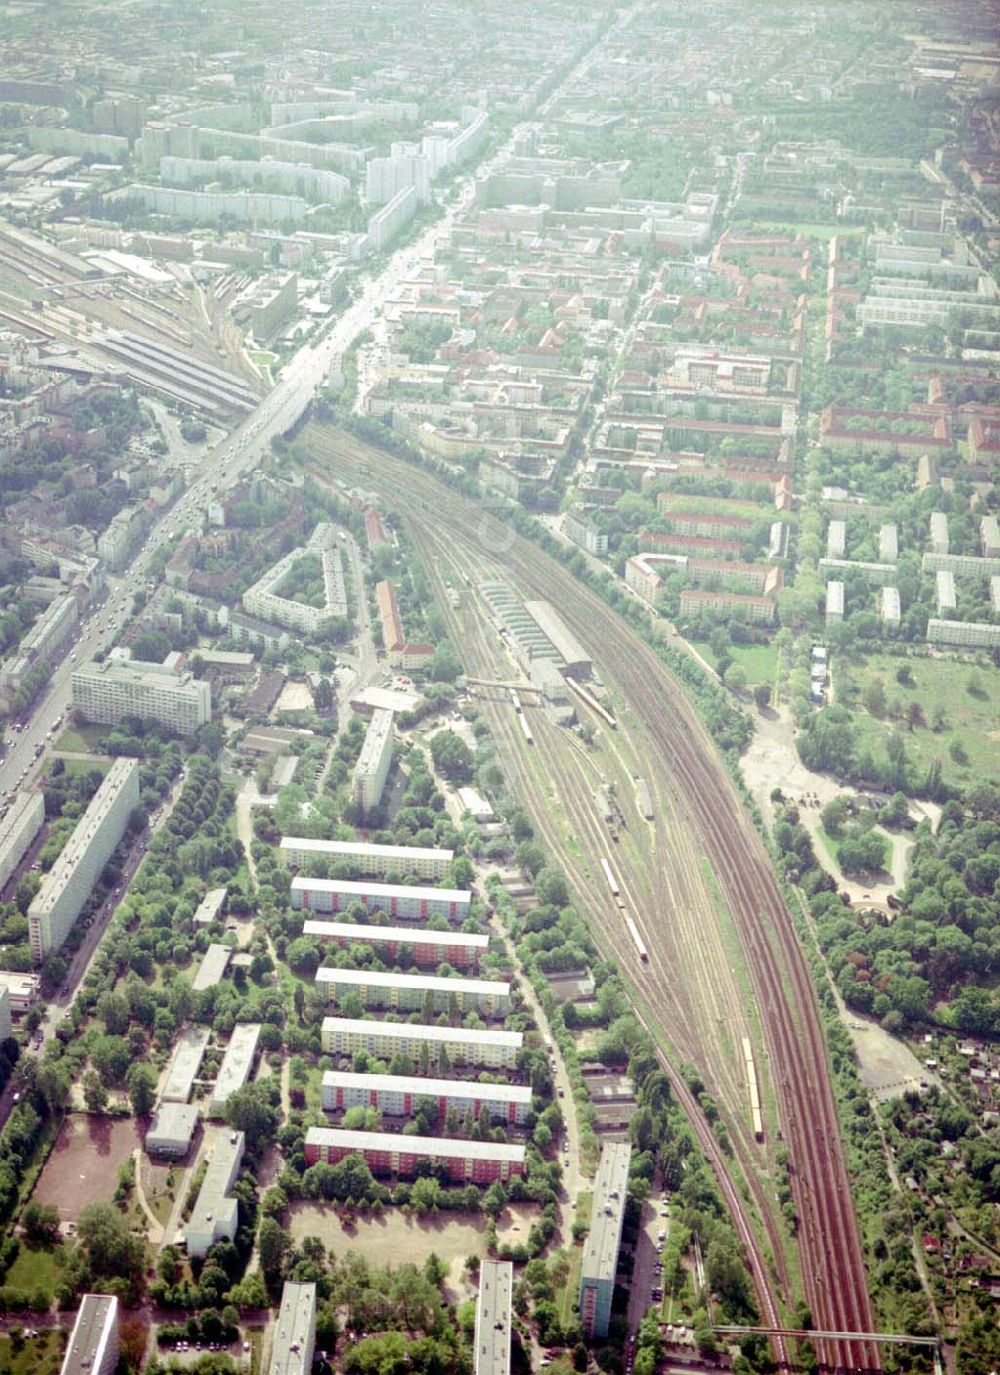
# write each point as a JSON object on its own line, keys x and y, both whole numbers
{"x": 689, "y": 988}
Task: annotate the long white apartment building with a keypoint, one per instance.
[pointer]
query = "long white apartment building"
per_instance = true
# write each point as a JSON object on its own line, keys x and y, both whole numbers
{"x": 963, "y": 634}
{"x": 18, "y": 829}
{"x": 405, "y": 860}
{"x": 414, "y": 992}
{"x": 404, "y": 945}
{"x": 293, "y": 1337}
{"x": 492, "y": 1049}
{"x": 374, "y": 761}
{"x": 399, "y": 1095}
{"x": 236, "y": 1067}
{"x": 216, "y": 1211}
{"x": 493, "y": 1306}
{"x": 265, "y": 600}
{"x": 401, "y": 901}
{"x": 66, "y": 887}
{"x": 108, "y": 692}
{"x": 93, "y": 1347}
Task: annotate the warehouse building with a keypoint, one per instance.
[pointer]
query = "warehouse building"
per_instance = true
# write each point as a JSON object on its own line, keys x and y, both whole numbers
{"x": 493, "y": 1304}
{"x": 400, "y": 901}
{"x": 376, "y": 860}
{"x": 413, "y": 992}
{"x": 67, "y": 885}
{"x": 18, "y": 829}
{"x": 404, "y": 945}
{"x": 211, "y": 907}
{"x": 93, "y": 1343}
{"x": 110, "y": 691}
{"x": 294, "y": 1341}
{"x": 237, "y": 1065}
{"x": 214, "y": 964}
{"x": 185, "y": 1062}
{"x": 389, "y": 1153}
{"x": 372, "y": 768}
{"x": 600, "y": 1252}
{"x": 171, "y": 1130}
{"x": 491, "y": 1049}
{"x": 216, "y": 1211}
{"x": 399, "y": 1095}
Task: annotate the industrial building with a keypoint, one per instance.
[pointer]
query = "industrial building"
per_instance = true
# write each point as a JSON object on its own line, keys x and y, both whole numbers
{"x": 372, "y": 768}
{"x": 237, "y": 1065}
{"x": 402, "y": 902}
{"x": 369, "y": 859}
{"x": 399, "y": 1095}
{"x": 216, "y": 1211}
{"x": 211, "y": 907}
{"x": 404, "y": 945}
{"x": 185, "y": 1062}
{"x": 67, "y": 885}
{"x": 491, "y": 1049}
{"x": 493, "y": 1304}
{"x": 600, "y": 1252}
{"x": 389, "y": 1153}
{"x": 93, "y": 1343}
{"x": 535, "y": 630}
{"x": 293, "y": 1341}
{"x": 413, "y": 992}
{"x": 18, "y": 829}
{"x": 110, "y": 691}
{"x": 172, "y": 1129}
{"x": 214, "y": 964}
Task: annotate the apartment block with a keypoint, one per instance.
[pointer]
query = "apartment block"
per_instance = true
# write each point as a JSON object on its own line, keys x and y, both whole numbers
{"x": 400, "y": 901}
{"x": 293, "y": 1337}
{"x": 888, "y": 544}
{"x": 939, "y": 533}
{"x": 400, "y": 1095}
{"x": 491, "y": 1049}
{"x": 757, "y": 610}
{"x": 110, "y": 691}
{"x": 265, "y": 600}
{"x": 18, "y": 829}
{"x": 989, "y": 537}
{"x": 237, "y": 1065}
{"x": 414, "y": 992}
{"x": 836, "y": 539}
{"x": 405, "y": 860}
{"x": 961, "y": 565}
{"x": 963, "y": 634}
{"x": 389, "y": 1153}
{"x": 216, "y": 1210}
{"x": 374, "y": 761}
{"x": 493, "y": 1306}
{"x": 600, "y": 1252}
{"x": 93, "y": 1344}
{"x": 583, "y": 531}
{"x": 947, "y": 597}
{"x": 402, "y": 944}
{"x": 890, "y": 609}
{"x": 66, "y": 887}
{"x": 834, "y": 603}
{"x": 185, "y": 1062}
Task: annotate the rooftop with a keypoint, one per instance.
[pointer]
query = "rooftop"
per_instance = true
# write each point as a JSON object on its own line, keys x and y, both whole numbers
{"x": 432, "y": 1147}
{"x": 492, "y": 1353}
{"x": 350, "y": 888}
{"x": 419, "y": 1031}
{"x": 401, "y": 935}
{"x": 237, "y": 1061}
{"x": 600, "y": 1253}
{"x": 95, "y": 1323}
{"x": 357, "y": 847}
{"x": 294, "y": 1330}
{"x": 213, "y": 965}
{"x": 431, "y": 983}
{"x": 427, "y": 1088}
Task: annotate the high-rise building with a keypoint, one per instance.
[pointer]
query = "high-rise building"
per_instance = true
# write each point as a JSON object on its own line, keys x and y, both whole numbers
{"x": 294, "y": 1335}
{"x": 492, "y": 1344}
{"x": 109, "y": 692}
{"x": 600, "y": 1252}
{"x": 373, "y": 764}
{"x": 18, "y": 829}
{"x": 93, "y": 1343}
{"x": 66, "y": 887}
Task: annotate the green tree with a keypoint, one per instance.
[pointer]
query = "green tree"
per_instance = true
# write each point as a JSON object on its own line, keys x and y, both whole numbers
{"x": 141, "y": 1081}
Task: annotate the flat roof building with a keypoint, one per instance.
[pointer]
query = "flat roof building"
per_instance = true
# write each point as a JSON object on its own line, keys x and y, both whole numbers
{"x": 834, "y": 603}
{"x": 237, "y": 1065}
{"x": 890, "y": 608}
{"x": 293, "y": 1341}
{"x": 67, "y": 885}
{"x": 172, "y": 1129}
{"x": 939, "y": 533}
{"x": 391, "y": 1153}
{"x": 214, "y": 964}
{"x": 493, "y": 1049}
{"x": 577, "y": 662}
{"x": 372, "y": 768}
{"x": 18, "y": 829}
{"x": 836, "y": 539}
{"x": 369, "y": 859}
{"x": 6, "y": 1021}
{"x": 22, "y": 989}
{"x": 211, "y": 907}
{"x": 404, "y": 944}
{"x": 492, "y": 1341}
{"x": 399, "y": 1095}
{"x": 110, "y": 691}
{"x": 404, "y": 902}
{"x": 413, "y": 992}
{"x": 947, "y": 597}
{"x": 216, "y": 1211}
{"x": 600, "y": 1252}
{"x": 185, "y": 1062}
{"x": 963, "y": 634}
{"x": 93, "y": 1343}
{"x": 888, "y": 544}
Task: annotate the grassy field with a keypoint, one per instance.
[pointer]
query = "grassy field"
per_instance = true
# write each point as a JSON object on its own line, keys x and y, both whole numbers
{"x": 35, "y": 1268}
{"x": 811, "y": 231}
{"x": 41, "y": 1355}
{"x": 963, "y": 699}
{"x": 81, "y": 739}
{"x": 758, "y": 662}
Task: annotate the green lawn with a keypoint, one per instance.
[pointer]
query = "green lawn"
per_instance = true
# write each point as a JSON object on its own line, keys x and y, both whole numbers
{"x": 81, "y": 739}
{"x": 35, "y": 1268}
{"x": 42, "y": 1355}
{"x": 759, "y": 662}
{"x": 972, "y": 719}
{"x": 811, "y": 231}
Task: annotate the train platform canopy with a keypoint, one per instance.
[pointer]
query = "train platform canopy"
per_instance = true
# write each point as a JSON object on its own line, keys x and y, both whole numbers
{"x": 578, "y": 663}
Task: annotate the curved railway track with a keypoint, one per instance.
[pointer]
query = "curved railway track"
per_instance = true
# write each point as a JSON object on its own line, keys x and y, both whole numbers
{"x": 833, "y": 1270}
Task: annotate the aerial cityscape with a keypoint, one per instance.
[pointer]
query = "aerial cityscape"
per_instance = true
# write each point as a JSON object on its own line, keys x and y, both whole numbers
{"x": 499, "y": 687}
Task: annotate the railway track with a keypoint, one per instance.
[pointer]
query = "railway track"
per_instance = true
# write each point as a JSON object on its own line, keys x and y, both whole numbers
{"x": 833, "y": 1270}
